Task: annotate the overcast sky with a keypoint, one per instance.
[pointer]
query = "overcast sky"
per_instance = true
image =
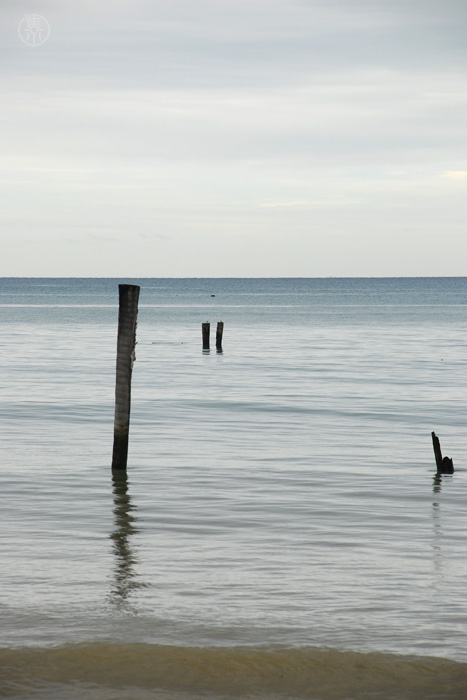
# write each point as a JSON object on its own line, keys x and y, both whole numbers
{"x": 269, "y": 138}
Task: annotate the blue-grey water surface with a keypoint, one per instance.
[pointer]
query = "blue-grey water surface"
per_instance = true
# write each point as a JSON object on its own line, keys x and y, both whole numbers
{"x": 282, "y": 492}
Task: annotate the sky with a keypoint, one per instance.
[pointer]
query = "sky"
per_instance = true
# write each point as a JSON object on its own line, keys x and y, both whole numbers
{"x": 233, "y": 138}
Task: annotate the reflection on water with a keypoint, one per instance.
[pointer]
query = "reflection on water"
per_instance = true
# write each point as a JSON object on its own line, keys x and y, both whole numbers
{"x": 437, "y": 481}
{"x": 125, "y": 576}
{"x": 437, "y": 528}
{"x": 437, "y": 553}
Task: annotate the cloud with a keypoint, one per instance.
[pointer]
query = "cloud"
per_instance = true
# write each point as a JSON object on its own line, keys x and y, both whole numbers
{"x": 235, "y": 43}
{"x": 308, "y": 203}
{"x": 456, "y": 174}
{"x": 286, "y": 204}
{"x": 222, "y": 120}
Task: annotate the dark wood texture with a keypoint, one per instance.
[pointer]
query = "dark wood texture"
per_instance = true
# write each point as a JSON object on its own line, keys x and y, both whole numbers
{"x": 126, "y": 341}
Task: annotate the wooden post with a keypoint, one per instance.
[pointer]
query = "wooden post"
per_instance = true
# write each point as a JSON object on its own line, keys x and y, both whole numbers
{"x": 437, "y": 451}
{"x": 219, "y": 334}
{"x": 206, "y": 330}
{"x": 126, "y": 341}
{"x": 444, "y": 465}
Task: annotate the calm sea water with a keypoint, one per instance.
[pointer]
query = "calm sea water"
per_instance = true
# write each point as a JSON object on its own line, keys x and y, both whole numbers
{"x": 281, "y": 531}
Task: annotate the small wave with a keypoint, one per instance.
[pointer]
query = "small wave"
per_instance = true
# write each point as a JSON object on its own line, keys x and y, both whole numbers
{"x": 101, "y": 670}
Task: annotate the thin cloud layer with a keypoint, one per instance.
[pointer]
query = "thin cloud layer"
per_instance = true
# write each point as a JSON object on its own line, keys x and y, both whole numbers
{"x": 222, "y": 125}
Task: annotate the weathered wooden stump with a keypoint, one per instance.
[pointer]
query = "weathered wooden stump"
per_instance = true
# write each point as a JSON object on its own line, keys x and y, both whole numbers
{"x": 444, "y": 465}
{"x": 126, "y": 341}
{"x": 219, "y": 334}
{"x": 206, "y": 330}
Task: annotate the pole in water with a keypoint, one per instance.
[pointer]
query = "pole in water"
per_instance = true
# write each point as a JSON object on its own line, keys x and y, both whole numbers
{"x": 444, "y": 465}
{"x": 126, "y": 341}
{"x": 206, "y": 330}
{"x": 219, "y": 334}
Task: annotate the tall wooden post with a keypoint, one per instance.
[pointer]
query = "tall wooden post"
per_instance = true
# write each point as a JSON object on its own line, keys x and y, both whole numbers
{"x": 206, "y": 330}
{"x": 219, "y": 334}
{"x": 126, "y": 341}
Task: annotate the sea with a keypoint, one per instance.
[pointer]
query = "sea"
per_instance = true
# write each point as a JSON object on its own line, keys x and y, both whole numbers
{"x": 280, "y": 531}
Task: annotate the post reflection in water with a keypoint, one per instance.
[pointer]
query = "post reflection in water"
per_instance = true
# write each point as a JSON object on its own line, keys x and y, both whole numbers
{"x": 437, "y": 481}
{"x": 125, "y": 579}
{"x": 437, "y": 530}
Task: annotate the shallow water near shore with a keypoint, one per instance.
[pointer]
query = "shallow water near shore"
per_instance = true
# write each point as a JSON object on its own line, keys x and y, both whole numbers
{"x": 150, "y": 671}
{"x": 281, "y": 529}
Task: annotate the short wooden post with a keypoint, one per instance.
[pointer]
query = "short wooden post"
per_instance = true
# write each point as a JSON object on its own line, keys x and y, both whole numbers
{"x": 219, "y": 334}
{"x": 437, "y": 451}
{"x": 126, "y": 341}
{"x": 206, "y": 330}
{"x": 444, "y": 465}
